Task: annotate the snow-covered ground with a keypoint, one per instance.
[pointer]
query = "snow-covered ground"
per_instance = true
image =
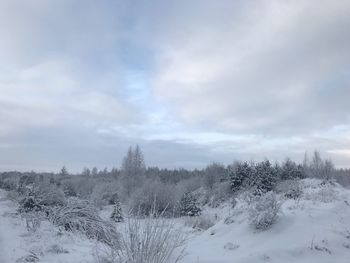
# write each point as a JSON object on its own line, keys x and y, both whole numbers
{"x": 17, "y": 244}
{"x": 315, "y": 228}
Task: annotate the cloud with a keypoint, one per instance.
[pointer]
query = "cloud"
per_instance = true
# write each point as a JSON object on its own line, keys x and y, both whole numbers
{"x": 59, "y": 66}
{"x": 279, "y": 67}
{"x": 191, "y": 81}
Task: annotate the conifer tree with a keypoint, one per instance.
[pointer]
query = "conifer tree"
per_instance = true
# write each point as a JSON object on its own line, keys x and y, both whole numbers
{"x": 266, "y": 177}
{"x": 240, "y": 175}
{"x": 117, "y": 215}
{"x": 189, "y": 205}
{"x": 64, "y": 171}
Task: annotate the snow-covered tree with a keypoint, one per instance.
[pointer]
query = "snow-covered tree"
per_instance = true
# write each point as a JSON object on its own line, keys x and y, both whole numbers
{"x": 139, "y": 167}
{"x": 328, "y": 169}
{"x": 265, "y": 177}
{"x": 94, "y": 171}
{"x": 86, "y": 172}
{"x": 117, "y": 215}
{"x": 213, "y": 173}
{"x": 133, "y": 169}
{"x": 64, "y": 171}
{"x": 189, "y": 205}
{"x": 290, "y": 170}
{"x": 319, "y": 168}
{"x": 240, "y": 175}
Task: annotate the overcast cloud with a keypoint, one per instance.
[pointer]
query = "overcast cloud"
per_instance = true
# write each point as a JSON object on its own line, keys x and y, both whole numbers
{"x": 190, "y": 81}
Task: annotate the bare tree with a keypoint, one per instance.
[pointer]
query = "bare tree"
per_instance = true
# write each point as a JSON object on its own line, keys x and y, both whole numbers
{"x": 213, "y": 173}
{"x": 133, "y": 169}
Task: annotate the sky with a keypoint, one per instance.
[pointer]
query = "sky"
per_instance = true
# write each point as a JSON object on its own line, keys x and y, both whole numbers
{"x": 191, "y": 82}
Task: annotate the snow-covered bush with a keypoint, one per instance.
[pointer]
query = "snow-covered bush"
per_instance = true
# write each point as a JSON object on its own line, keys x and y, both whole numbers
{"x": 9, "y": 183}
{"x": 202, "y": 222}
{"x": 41, "y": 198}
{"x": 69, "y": 188}
{"x": 104, "y": 194}
{"x": 325, "y": 194}
{"x": 117, "y": 215}
{"x": 320, "y": 191}
{"x": 219, "y": 193}
{"x": 29, "y": 204}
{"x": 189, "y": 205}
{"x": 82, "y": 217}
{"x": 81, "y": 186}
{"x": 155, "y": 240}
{"x": 291, "y": 189}
{"x": 263, "y": 212}
{"x": 154, "y": 197}
{"x": 51, "y": 195}
{"x": 32, "y": 256}
{"x": 213, "y": 173}
{"x": 57, "y": 249}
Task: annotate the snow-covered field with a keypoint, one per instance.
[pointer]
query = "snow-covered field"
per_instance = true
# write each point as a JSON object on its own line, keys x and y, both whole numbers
{"x": 17, "y": 244}
{"x": 315, "y": 228}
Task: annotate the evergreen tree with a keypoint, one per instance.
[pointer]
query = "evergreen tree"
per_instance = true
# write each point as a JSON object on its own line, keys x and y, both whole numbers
{"x": 94, "y": 171}
{"x": 240, "y": 175}
{"x": 265, "y": 177}
{"x": 290, "y": 170}
{"x": 64, "y": 171}
{"x": 117, "y": 215}
{"x": 86, "y": 172}
{"x": 189, "y": 205}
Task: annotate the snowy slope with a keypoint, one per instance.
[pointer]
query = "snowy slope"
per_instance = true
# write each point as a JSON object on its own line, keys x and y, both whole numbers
{"x": 314, "y": 229}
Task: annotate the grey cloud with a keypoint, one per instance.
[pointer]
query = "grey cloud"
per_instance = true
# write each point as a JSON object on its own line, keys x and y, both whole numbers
{"x": 279, "y": 69}
{"x": 231, "y": 80}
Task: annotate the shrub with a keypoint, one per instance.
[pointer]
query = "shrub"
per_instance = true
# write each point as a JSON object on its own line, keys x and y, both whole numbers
{"x": 153, "y": 240}
{"x": 51, "y": 195}
{"x": 322, "y": 193}
{"x": 41, "y": 198}
{"x": 82, "y": 217}
{"x": 153, "y": 197}
{"x": 117, "y": 215}
{"x": 220, "y": 193}
{"x": 189, "y": 205}
{"x": 104, "y": 194}
{"x": 57, "y": 249}
{"x": 291, "y": 189}
{"x": 9, "y": 183}
{"x": 264, "y": 210}
{"x": 213, "y": 173}
{"x": 202, "y": 222}
{"x": 29, "y": 204}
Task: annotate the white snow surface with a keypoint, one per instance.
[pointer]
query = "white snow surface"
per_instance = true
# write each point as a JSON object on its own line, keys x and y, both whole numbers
{"x": 314, "y": 229}
{"x": 16, "y": 242}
